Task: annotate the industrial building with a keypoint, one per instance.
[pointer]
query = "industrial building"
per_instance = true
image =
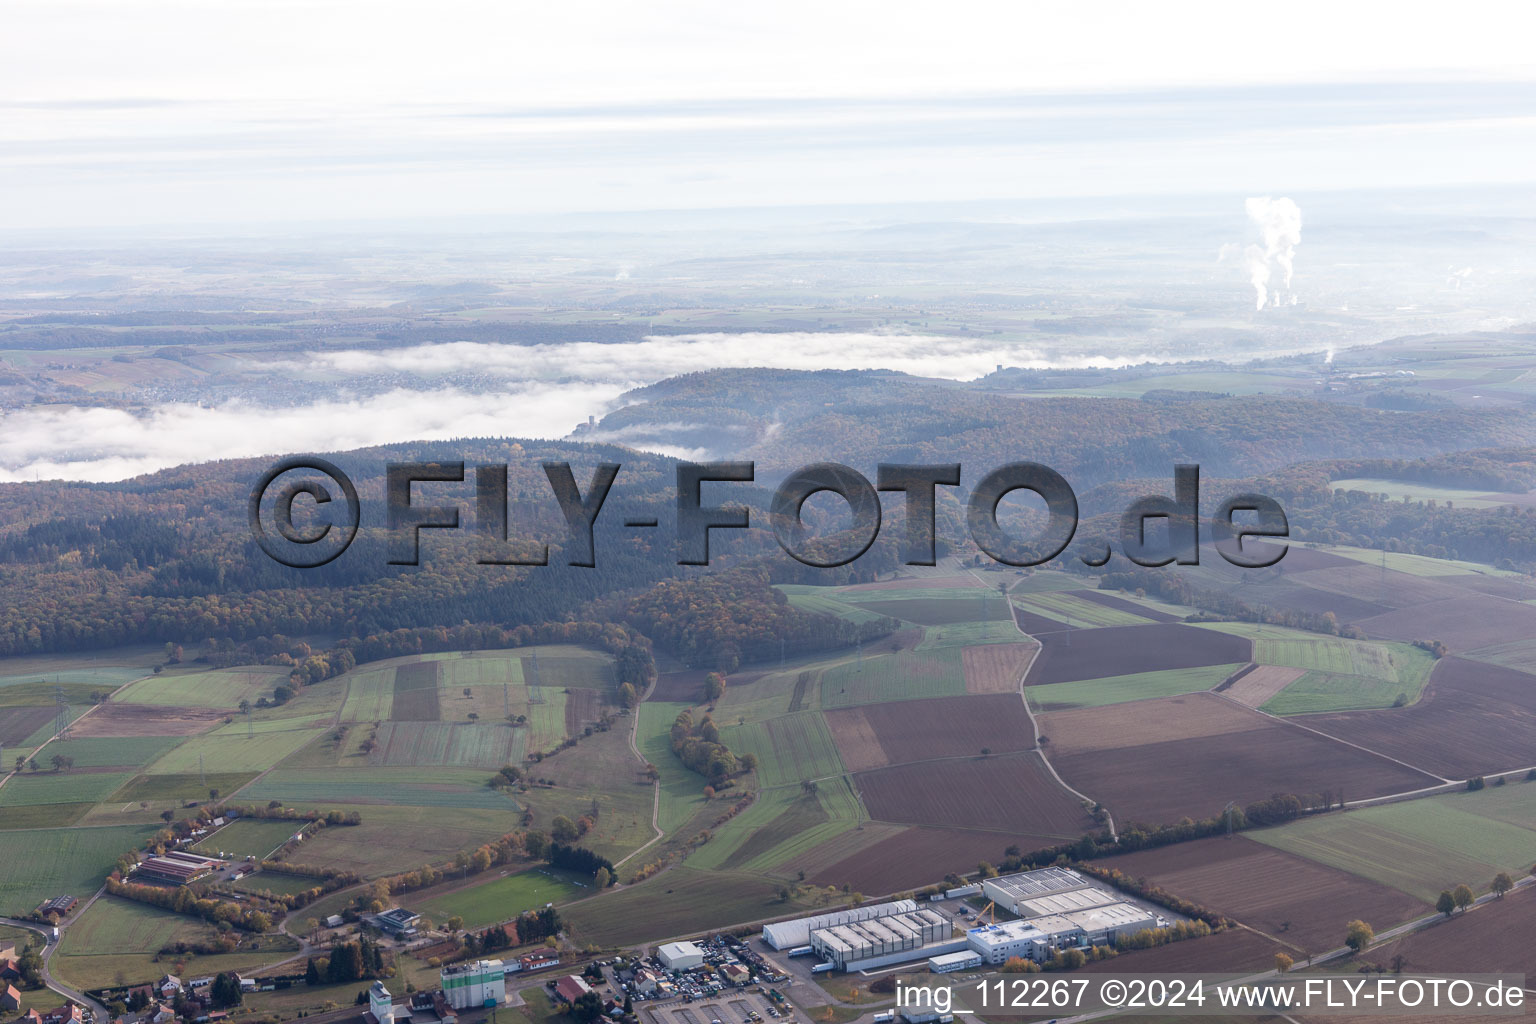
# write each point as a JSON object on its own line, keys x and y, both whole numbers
{"x": 1010, "y": 891}
{"x": 961, "y": 961}
{"x": 790, "y": 934}
{"x": 1039, "y": 938}
{"x": 399, "y": 922}
{"x": 882, "y": 941}
{"x": 179, "y": 867}
{"x": 1067, "y": 902}
{"x": 680, "y": 956}
{"x": 473, "y": 985}
{"x": 382, "y": 1008}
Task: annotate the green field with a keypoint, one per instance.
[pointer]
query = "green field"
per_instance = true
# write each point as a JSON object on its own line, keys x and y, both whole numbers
{"x": 108, "y": 677}
{"x": 487, "y": 903}
{"x": 1341, "y": 674}
{"x": 37, "y": 864}
{"x": 682, "y": 791}
{"x": 162, "y": 789}
{"x": 455, "y": 744}
{"x": 679, "y": 902}
{"x": 219, "y": 688}
{"x": 1416, "y": 565}
{"x": 1517, "y": 654}
{"x": 1097, "y": 693}
{"x": 34, "y": 789}
{"x": 115, "y": 925}
{"x": 780, "y": 825}
{"x": 790, "y": 749}
{"x": 275, "y": 882}
{"x": 1064, "y": 606}
{"x": 252, "y": 837}
{"x": 907, "y": 675}
{"x": 117, "y": 941}
{"x": 113, "y": 751}
{"x": 401, "y": 838}
{"x": 241, "y": 747}
{"x": 824, "y": 601}
{"x": 1043, "y": 581}
{"x": 370, "y": 695}
{"x": 934, "y": 606}
{"x": 1397, "y": 490}
{"x": 458, "y": 788}
{"x": 969, "y": 634}
{"x": 1420, "y": 847}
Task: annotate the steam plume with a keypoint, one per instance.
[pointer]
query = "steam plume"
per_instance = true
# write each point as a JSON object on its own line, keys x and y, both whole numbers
{"x": 1271, "y": 265}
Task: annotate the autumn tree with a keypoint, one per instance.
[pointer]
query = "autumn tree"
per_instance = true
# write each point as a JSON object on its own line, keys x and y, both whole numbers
{"x": 1358, "y": 935}
{"x": 1464, "y": 896}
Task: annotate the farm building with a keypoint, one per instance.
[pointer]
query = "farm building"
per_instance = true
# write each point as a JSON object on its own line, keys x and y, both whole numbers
{"x": 881, "y": 941}
{"x": 790, "y": 934}
{"x": 1009, "y": 891}
{"x": 539, "y": 959}
{"x": 571, "y": 988}
{"x": 59, "y": 905}
{"x": 473, "y": 985}
{"x": 398, "y": 922}
{"x": 961, "y": 961}
{"x": 1038, "y": 938}
{"x": 179, "y": 867}
{"x": 680, "y": 956}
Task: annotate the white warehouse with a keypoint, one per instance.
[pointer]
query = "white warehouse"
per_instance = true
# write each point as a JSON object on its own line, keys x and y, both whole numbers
{"x": 789, "y": 934}
{"x": 680, "y": 956}
{"x": 879, "y": 942}
{"x": 1037, "y": 939}
{"x": 1010, "y": 891}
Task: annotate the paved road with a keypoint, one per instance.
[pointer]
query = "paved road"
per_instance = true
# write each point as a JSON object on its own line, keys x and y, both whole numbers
{"x": 48, "y": 950}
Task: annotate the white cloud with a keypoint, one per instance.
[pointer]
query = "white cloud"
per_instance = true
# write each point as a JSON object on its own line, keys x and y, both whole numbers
{"x": 114, "y": 444}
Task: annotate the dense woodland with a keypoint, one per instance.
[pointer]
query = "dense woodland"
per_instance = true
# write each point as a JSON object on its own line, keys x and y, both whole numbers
{"x": 169, "y": 557}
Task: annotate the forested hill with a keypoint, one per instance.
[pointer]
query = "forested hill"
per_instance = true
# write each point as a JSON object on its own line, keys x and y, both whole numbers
{"x": 785, "y": 419}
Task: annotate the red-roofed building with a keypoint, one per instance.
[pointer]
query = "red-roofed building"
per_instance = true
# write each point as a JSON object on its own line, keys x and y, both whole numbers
{"x": 69, "y": 1013}
{"x": 10, "y": 998}
{"x": 571, "y": 988}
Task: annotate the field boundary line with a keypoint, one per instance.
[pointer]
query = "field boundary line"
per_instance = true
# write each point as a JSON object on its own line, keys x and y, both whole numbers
{"x": 634, "y": 732}
{"x": 1335, "y": 739}
{"x": 7, "y": 776}
{"x": 1034, "y": 724}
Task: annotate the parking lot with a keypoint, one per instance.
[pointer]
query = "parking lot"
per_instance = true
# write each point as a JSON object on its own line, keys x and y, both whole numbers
{"x": 731, "y": 1007}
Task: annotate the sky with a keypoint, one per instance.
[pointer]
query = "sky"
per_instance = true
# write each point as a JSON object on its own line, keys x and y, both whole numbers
{"x": 192, "y": 115}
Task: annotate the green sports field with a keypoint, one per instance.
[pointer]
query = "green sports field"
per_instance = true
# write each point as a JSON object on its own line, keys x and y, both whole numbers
{"x": 502, "y": 898}
{"x": 253, "y": 837}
